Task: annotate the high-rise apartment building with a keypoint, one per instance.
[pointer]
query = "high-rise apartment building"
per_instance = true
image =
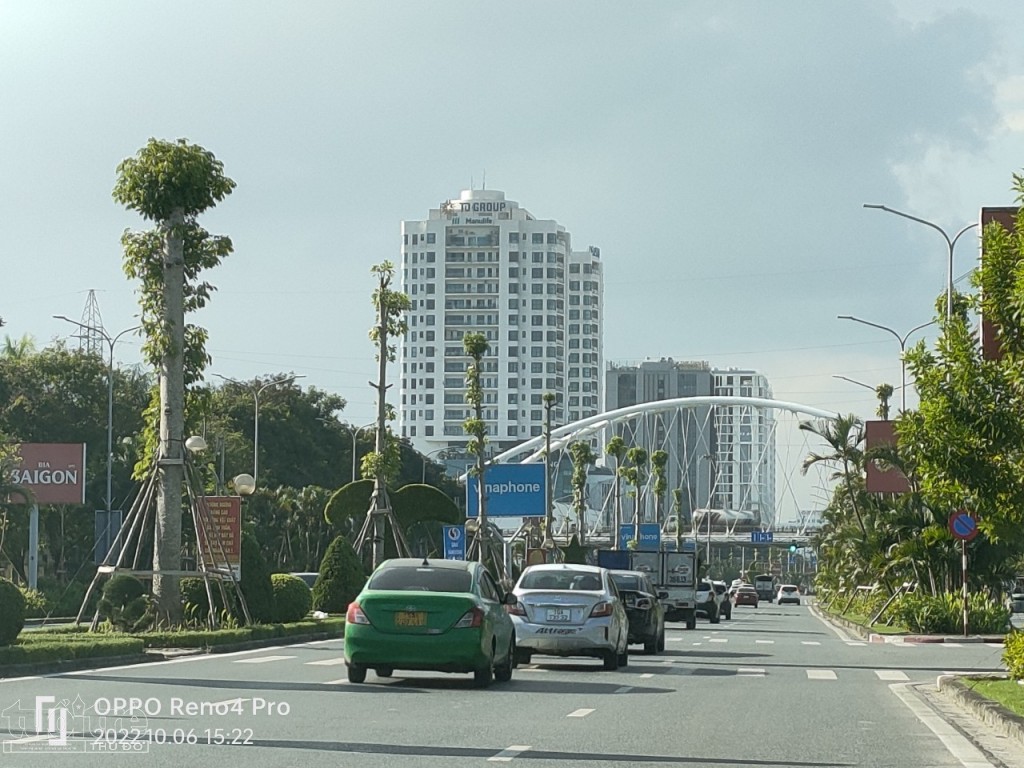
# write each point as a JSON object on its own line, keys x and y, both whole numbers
{"x": 745, "y": 446}
{"x": 484, "y": 264}
{"x": 721, "y": 457}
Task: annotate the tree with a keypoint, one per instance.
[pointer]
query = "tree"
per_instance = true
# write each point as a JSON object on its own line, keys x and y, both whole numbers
{"x": 635, "y": 473}
{"x": 583, "y": 457}
{"x": 616, "y": 448}
{"x": 475, "y": 346}
{"x": 659, "y": 460}
{"x": 170, "y": 184}
{"x": 382, "y": 463}
{"x": 883, "y": 392}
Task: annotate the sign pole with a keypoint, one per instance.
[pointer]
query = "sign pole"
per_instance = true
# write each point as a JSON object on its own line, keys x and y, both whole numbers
{"x": 33, "y": 547}
{"x": 963, "y": 559}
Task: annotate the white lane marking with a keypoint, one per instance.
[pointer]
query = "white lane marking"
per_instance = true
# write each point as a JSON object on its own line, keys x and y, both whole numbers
{"x": 994, "y": 645}
{"x": 697, "y": 643}
{"x": 18, "y": 680}
{"x": 236, "y": 702}
{"x": 342, "y": 681}
{"x": 891, "y": 674}
{"x": 719, "y": 640}
{"x": 506, "y": 755}
{"x": 647, "y": 675}
{"x": 765, "y": 642}
{"x": 326, "y": 662}
{"x": 809, "y": 642}
{"x": 182, "y": 659}
{"x": 958, "y": 746}
{"x": 842, "y": 635}
{"x": 821, "y": 674}
{"x": 853, "y": 643}
{"x": 624, "y": 689}
{"x": 750, "y": 672}
{"x": 675, "y": 639}
{"x": 531, "y": 669}
{"x": 580, "y": 713}
{"x": 263, "y": 659}
{"x": 952, "y": 645}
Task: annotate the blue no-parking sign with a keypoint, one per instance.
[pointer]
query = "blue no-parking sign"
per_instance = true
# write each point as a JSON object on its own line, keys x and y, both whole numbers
{"x": 454, "y": 542}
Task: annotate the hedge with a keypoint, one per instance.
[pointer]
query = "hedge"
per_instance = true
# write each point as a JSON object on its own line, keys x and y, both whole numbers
{"x": 37, "y": 647}
{"x": 1013, "y": 655}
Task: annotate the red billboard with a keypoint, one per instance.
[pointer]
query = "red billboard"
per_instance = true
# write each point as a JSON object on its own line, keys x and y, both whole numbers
{"x": 221, "y": 547}
{"x": 53, "y": 472}
{"x": 878, "y": 433}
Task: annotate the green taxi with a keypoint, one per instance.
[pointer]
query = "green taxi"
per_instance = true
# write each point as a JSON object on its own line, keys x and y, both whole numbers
{"x": 435, "y": 615}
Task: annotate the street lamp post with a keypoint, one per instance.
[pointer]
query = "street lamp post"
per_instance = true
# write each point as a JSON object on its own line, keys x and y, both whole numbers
{"x": 549, "y": 517}
{"x": 903, "y": 350}
{"x": 424, "y": 457}
{"x": 355, "y": 434}
{"x": 950, "y": 243}
{"x": 711, "y": 495}
{"x": 256, "y": 416}
{"x": 111, "y": 342}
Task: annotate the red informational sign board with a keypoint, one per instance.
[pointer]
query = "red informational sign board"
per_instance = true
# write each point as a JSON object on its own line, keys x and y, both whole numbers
{"x": 221, "y": 547}
{"x": 878, "y": 433}
{"x": 53, "y": 472}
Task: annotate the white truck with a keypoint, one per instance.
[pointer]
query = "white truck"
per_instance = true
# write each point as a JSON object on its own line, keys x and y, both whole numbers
{"x": 673, "y": 573}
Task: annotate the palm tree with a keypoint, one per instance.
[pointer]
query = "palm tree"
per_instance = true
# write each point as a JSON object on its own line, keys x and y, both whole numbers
{"x": 659, "y": 460}
{"x": 883, "y": 392}
{"x": 582, "y": 457}
{"x": 616, "y": 448}
{"x": 844, "y": 434}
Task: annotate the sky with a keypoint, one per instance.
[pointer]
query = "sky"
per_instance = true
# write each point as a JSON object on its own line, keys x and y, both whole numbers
{"x": 718, "y": 153}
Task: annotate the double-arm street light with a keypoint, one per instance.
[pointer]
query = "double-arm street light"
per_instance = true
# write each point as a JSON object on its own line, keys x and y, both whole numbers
{"x": 950, "y": 244}
{"x": 111, "y": 342}
{"x": 256, "y": 392}
{"x": 903, "y": 351}
{"x": 355, "y": 431}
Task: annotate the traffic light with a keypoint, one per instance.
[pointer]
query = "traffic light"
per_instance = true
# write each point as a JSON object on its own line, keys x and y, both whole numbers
{"x": 792, "y": 548}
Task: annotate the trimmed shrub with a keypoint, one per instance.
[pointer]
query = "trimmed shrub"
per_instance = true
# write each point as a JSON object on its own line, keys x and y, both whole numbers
{"x": 341, "y": 578}
{"x": 292, "y": 597}
{"x": 125, "y": 603}
{"x": 12, "y": 612}
{"x": 255, "y": 583}
{"x": 36, "y": 605}
{"x": 1013, "y": 655}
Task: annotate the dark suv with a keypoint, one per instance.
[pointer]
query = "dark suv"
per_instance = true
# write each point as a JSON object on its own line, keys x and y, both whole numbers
{"x": 644, "y": 609}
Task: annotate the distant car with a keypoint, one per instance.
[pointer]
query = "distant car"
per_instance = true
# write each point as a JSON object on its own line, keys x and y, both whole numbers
{"x": 309, "y": 577}
{"x": 708, "y": 602}
{"x": 644, "y": 610}
{"x": 745, "y": 595}
{"x": 436, "y": 615}
{"x": 724, "y": 604}
{"x": 788, "y": 593}
{"x": 570, "y": 610}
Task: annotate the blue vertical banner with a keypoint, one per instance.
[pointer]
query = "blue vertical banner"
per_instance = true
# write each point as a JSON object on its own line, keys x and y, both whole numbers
{"x": 454, "y": 542}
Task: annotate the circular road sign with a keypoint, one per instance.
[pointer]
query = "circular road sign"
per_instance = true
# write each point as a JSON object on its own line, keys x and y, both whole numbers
{"x": 963, "y": 525}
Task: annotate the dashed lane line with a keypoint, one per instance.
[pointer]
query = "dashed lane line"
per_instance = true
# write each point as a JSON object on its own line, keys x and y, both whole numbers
{"x": 891, "y": 674}
{"x": 327, "y": 662}
{"x": 764, "y": 642}
{"x": 262, "y": 659}
{"x": 750, "y": 672}
{"x": 719, "y": 640}
{"x": 624, "y": 689}
{"x": 580, "y": 713}
{"x": 821, "y": 674}
{"x": 809, "y": 642}
{"x": 646, "y": 675}
{"x": 854, "y": 643}
{"x": 508, "y": 754}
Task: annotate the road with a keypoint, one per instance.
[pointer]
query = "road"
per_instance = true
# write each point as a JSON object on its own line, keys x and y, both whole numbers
{"x": 774, "y": 686}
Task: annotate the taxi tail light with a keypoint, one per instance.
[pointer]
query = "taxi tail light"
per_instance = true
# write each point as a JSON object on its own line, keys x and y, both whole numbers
{"x": 601, "y": 609}
{"x": 515, "y": 609}
{"x": 355, "y": 615}
{"x": 474, "y": 617}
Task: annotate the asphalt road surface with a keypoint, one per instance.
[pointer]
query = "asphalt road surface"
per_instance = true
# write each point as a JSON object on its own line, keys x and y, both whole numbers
{"x": 775, "y": 686}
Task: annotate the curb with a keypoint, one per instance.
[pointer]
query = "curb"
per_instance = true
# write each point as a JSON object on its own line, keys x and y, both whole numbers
{"x": 874, "y": 637}
{"x": 986, "y": 710}
{"x": 151, "y": 655}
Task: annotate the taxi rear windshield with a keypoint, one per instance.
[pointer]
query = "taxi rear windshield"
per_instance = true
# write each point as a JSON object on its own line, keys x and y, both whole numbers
{"x": 422, "y": 579}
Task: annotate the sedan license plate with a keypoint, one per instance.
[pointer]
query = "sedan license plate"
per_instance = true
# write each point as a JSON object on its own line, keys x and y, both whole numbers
{"x": 411, "y": 619}
{"x": 559, "y": 614}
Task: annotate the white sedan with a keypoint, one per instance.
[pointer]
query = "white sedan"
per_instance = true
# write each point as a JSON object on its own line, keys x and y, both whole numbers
{"x": 570, "y": 610}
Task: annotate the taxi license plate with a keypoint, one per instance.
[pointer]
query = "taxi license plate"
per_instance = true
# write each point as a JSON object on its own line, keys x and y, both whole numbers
{"x": 411, "y": 619}
{"x": 559, "y": 614}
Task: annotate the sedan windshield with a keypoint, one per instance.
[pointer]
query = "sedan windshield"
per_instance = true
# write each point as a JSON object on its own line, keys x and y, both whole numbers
{"x": 422, "y": 579}
{"x": 585, "y": 580}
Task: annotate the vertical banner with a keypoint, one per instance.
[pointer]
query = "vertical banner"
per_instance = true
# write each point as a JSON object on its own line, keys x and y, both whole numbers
{"x": 454, "y": 542}
{"x": 221, "y": 547}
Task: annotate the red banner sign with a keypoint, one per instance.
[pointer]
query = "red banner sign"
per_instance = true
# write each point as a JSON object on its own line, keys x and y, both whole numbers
{"x": 53, "y": 472}
{"x": 221, "y": 546}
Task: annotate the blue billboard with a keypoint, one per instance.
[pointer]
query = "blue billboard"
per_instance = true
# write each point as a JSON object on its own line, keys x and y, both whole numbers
{"x": 512, "y": 490}
{"x": 649, "y": 539}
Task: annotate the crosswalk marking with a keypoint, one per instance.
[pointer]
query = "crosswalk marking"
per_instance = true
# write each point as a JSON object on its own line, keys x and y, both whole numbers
{"x": 327, "y": 662}
{"x": 262, "y": 659}
{"x": 891, "y": 674}
{"x": 821, "y": 674}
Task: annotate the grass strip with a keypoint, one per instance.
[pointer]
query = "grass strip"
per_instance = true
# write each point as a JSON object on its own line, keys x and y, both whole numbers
{"x": 1008, "y": 693}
